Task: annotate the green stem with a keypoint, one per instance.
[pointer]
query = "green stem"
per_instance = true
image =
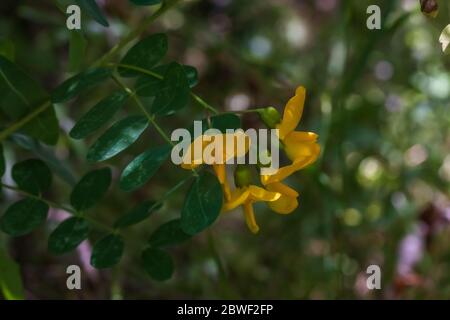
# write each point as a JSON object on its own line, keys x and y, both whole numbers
{"x": 151, "y": 118}
{"x": 203, "y": 103}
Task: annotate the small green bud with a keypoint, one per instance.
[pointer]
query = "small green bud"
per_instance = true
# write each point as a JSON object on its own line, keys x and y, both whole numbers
{"x": 270, "y": 116}
{"x": 242, "y": 176}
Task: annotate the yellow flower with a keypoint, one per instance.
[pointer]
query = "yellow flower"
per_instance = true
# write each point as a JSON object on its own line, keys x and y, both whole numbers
{"x": 246, "y": 196}
{"x": 213, "y": 150}
{"x": 301, "y": 147}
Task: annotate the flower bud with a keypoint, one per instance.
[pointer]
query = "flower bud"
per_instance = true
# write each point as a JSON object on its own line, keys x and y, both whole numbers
{"x": 242, "y": 176}
{"x": 270, "y": 116}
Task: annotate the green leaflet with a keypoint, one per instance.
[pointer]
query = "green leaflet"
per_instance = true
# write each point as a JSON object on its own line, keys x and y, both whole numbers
{"x": 107, "y": 252}
{"x": 120, "y": 136}
{"x": 90, "y": 189}
{"x": 99, "y": 115}
{"x": 79, "y": 83}
{"x": 145, "y": 54}
{"x": 68, "y": 235}
{"x": 202, "y": 204}
{"x": 21, "y": 96}
{"x": 23, "y": 217}
{"x": 174, "y": 93}
{"x": 158, "y": 264}
{"x": 32, "y": 175}
{"x": 143, "y": 167}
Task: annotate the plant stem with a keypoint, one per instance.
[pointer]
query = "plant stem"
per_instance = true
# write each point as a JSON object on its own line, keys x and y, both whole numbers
{"x": 151, "y": 118}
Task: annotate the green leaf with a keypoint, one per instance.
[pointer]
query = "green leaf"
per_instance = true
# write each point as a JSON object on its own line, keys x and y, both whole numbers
{"x": 58, "y": 167}
{"x": 145, "y": 54}
{"x": 77, "y": 49}
{"x": 145, "y": 2}
{"x": 137, "y": 214}
{"x": 107, "y": 252}
{"x": 10, "y": 277}
{"x": 202, "y": 205}
{"x": 143, "y": 167}
{"x": 149, "y": 86}
{"x": 32, "y": 175}
{"x": 225, "y": 121}
{"x": 90, "y": 189}
{"x": 158, "y": 264}
{"x": 79, "y": 83}
{"x": 117, "y": 138}
{"x": 174, "y": 93}
{"x": 99, "y": 115}
{"x": 68, "y": 235}
{"x": 21, "y": 96}
{"x": 23, "y": 217}
{"x": 2, "y": 162}
{"x": 168, "y": 234}
{"x": 91, "y": 7}
{"x": 190, "y": 71}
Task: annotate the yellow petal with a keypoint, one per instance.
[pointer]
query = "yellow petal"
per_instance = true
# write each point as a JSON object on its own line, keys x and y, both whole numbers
{"x": 284, "y": 205}
{"x": 238, "y": 197}
{"x": 292, "y": 113}
{"x": 288, "y": 200}
{"x": 221, "y": 174}
{"x": 286, "y": 171}
{"x": 283, "y": 189}
{"x": 299, "y": 145}
{"x": 215, "y": 149}
{"x": 301, "y": 136}
{"x": 261, "y": 194}
{"x": 250, "y": 217}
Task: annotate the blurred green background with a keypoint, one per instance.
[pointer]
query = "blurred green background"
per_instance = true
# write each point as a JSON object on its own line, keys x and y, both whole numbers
{"x": 378, "y": 194}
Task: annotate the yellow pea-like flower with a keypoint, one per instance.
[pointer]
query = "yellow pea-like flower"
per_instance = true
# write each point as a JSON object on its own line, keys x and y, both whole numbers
{"x": 213, "y": 150}
{"x": 301, "y": 147}
{"x": 246, "y": 196}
